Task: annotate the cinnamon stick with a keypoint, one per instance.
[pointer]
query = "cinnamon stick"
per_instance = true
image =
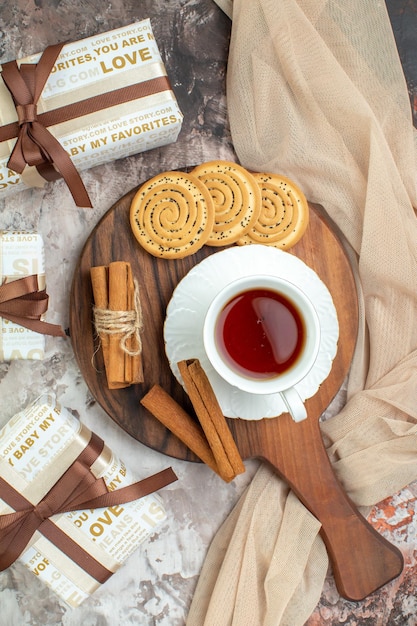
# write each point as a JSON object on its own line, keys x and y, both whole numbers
{"x": 117, "y": 318}
{"x": 117, "y": 302}
{"x": 172, "y": 415}
{"x": 99, "y": 283}
{"x": 135, "y": 361}
{"x": 211, "y": 418}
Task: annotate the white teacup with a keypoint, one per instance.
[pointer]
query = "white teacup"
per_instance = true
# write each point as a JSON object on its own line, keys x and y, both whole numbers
{"x": 262, "y": 335}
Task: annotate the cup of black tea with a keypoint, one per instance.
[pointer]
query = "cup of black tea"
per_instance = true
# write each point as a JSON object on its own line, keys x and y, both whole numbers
{"x": 262, "y": 335}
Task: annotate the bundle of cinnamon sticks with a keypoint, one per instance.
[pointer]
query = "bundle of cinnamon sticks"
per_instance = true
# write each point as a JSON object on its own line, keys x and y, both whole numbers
{"x": 117, "y": 319}
{"x": 209, "y": 438}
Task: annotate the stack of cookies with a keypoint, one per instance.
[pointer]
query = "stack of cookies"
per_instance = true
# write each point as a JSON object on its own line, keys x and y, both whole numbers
{"x": 218, "y": 203}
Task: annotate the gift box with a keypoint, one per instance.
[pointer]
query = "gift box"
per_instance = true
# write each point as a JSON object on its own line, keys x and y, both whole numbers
{"x": 21, "y": 254}
{"x": 83, "y": 104}
{"x": 49, "y": 463}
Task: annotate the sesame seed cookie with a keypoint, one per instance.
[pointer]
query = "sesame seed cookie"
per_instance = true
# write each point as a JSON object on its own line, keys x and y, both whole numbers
{"x": 284, "y": 214}
{"x": 172, "y": 215}
{"x": 236, "y": 197}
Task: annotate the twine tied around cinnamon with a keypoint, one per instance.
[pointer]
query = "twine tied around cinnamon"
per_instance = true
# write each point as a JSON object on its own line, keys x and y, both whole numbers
{"x": 127, "y": 324}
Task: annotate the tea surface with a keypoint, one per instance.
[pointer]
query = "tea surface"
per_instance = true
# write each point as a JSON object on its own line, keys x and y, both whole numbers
{"x": 260, "y": 333}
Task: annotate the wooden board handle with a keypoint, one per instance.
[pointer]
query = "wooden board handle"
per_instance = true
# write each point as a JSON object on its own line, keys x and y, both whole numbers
{"x": 362, "y": 559}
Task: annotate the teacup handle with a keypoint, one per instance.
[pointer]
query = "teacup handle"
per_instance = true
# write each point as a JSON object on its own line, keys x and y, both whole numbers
{"x": 294, "y": 404}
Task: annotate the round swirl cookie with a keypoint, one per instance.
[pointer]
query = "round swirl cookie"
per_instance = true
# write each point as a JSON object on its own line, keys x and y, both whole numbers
{"x": 284, "y": 213}
{"x": 172, "y": 215}
{"x": 236, "y": 197}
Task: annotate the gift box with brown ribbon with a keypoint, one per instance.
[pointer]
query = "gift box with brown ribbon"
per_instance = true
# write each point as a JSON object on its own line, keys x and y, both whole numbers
{"x": 82, "y": 104}
{"x": 23, "y": 297}
{"x": 69, "y": 508}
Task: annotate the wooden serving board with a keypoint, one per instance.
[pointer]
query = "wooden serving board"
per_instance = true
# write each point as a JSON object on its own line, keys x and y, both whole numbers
{"x": 362, "y": 560}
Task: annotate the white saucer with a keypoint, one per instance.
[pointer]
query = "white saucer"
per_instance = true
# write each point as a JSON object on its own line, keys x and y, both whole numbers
{"x": 183, "y": 329}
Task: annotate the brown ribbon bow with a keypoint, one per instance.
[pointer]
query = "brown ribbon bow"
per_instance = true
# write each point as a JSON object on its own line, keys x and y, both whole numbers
{"x": 76, "y": 489}
{"x": 21, "y": 302}
{"x": 35, "y": 145}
